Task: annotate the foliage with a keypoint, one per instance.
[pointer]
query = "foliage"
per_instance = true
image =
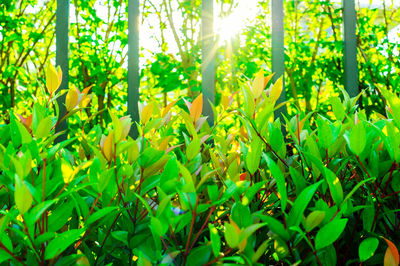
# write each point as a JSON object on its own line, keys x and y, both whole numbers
{"x": 313, "y": 39}
{"x": 185, "y": 193}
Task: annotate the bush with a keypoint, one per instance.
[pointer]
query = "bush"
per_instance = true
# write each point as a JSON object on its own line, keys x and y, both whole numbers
{"x": 185, "y": 193}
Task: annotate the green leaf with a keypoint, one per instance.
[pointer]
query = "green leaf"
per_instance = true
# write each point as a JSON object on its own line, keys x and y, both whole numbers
{"x": 334, "y": 186}
{"x": 367, "y": 248}
{"x": 249, "y": 105}
{"x": 254, "y": 155}
{"x": 23, "y": 198}
{"x": 325, "y": 135}
{"x": 193, "y": 149}
{"x": 121, "y": 236}
{"x": 358, "y": 139}
{"x": 301, "y": 203}
{"x": 275, "y": 226}
{"x": 231, "y": 236}
{"x": 99, "y": 214}
{"x": 338, "y": 108}
{"x": 329, "y": 233}
{"x": 260, "y": 251}
{"x": 199, "y": 256}
{"x": 62, "y": 242}
{"x": 215, "y": 240}
{"x": 280, "y": 180}
{"x": 241, "y": 215}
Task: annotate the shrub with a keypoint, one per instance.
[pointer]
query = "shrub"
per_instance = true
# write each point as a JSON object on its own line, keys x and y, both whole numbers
{"x": 188, "y": 194}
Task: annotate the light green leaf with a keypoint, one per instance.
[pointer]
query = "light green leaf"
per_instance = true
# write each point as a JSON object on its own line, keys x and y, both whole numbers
{"x": 367, "y": 248}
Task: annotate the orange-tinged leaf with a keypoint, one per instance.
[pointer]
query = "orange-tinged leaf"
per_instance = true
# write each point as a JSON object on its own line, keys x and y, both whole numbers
{"x": 53, "y": 79}
{"x": 276, "y": 90}
{"x": 267, "y": 79}
{"x": 391, "y": 255}
{"x": 147, "y": 113}
{"x": 257, "y": 86}
{"x": 168, "y": 108}
{"x": 164, "y": 144}
{"x": 86, "y": 90}
{"x": 196, "y": 108}
{"x": 243, "y": 176}
{"x": 23, "y": 198}
{"x": 108, "y": 146}
{"x": 71, "y": 99}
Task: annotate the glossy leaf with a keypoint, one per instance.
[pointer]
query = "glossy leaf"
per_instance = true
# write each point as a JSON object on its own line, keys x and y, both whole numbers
{"x": 329, "y": 233}
{"x": 367, "y": 248}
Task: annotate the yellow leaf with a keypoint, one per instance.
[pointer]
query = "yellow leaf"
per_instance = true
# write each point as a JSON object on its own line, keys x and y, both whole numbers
{"x": 126, "y": 125}
{"x": 117, "y": 128}
{"x": 147, "y": 113}
{"x": 108, "y": 146}
{"x": 53, "y": 78}
{"x": 164, "y": 143}
{"x": 196, "y": 108}
{"x": 258, "y": 84}
{"x": 71, "y": 99}
{"x": 67, "y": 171}
{"x": 85, "y": 100}
{"x": 276, "y": 90}
{"x": 391, "y": 255}
{"x": 23, "y": 198}
{"x": 133, "y": 153}
{"x": 44, "y": 127}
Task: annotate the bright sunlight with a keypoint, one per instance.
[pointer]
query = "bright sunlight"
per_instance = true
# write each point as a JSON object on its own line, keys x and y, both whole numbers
{"x": 228, "y": 27}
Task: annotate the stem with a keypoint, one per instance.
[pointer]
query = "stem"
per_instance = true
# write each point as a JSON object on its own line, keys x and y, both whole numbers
{"x": 11, "y": 254}
{"x": 191, "y": 229}
{"x": 269, "y": 146}
{"x": 365, "y": 170}
{"x": 390, "y": 178}
{"x": 107, "y": 234}
{"x": 169, "y": 253}
{"x": 202, "y": 227}
{"x": 91, "y": 209}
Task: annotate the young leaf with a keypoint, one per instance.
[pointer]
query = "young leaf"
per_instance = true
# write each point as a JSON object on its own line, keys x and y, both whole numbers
{"x": 44, "y": 127}
{"x": 196, "y": 108}
{"x": 367, "y": 248}
{"x": 391, "y": 255}
{"x": 329, "y": 233}
{"x": 193, "y": 149}
{"x": 338, "y": 108}
{"x": 257, "y": 86}
{"x": 71, "y": 99}
{"x": 53, "y": 78}
{"x": 314, "y": 219}
{"x": 23, "y": 198}
{"x": 231, "y": 236}
{"x": 357, "y": 139}
{"x": 276, "y": 90}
